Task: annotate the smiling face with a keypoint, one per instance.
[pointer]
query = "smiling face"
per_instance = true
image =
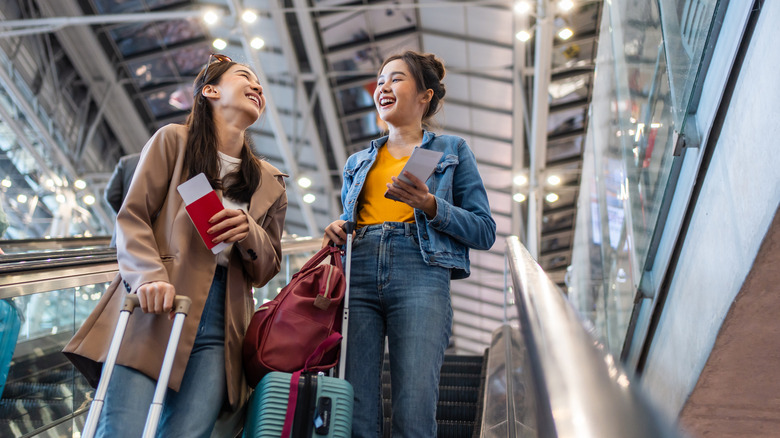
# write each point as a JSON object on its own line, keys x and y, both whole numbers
{"x": 397, "y": 97}
{"x": 238, "y": 92}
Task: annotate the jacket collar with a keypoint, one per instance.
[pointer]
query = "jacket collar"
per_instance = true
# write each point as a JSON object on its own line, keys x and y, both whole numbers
{"x": 268, "y": 191}
{"x": 379, "y": 142}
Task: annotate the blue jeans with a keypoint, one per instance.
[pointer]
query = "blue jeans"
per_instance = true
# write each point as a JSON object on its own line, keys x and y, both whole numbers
{"x": 192, "y": 411}
{"x": 394, "y": 293}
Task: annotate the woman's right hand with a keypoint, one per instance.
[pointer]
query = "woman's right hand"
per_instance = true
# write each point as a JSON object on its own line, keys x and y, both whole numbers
{"x": 335, "y": 233}
{"x": 157, "y": 297}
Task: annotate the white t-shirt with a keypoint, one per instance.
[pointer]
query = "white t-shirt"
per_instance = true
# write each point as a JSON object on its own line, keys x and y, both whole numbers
{"x": 228, "y": 164}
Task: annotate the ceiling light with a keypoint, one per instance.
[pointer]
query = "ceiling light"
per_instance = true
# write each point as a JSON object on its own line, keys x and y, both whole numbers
{"x": 565, "y": 5}
{"x": 249, "y": 16}
{"x": 257, "y": 43}
{"x": 60, "y": 198}
{"x": 219, "y": 44}
{"x": 551, "y": 197}
{"x": 522, "y": 7}
{"x": 553, "y": 180}
{"x": 523, "y": 35}
{"x": 309, "y": 198}
{"x": 518, "y": 197}
{"x": 211, "y": 17}
{"x": 80, "y": 184}
{"x": 6, "y": 183}
{"x": 304, "y": 182}
{"x": 565, "y": 33}
{"x": 520, "y": 180}
{"x": 22, "y": 198}
{"x": 89, "y": 199}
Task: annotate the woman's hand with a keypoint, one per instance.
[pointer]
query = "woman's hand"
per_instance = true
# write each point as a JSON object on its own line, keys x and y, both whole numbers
{"x": 229, "y": 226}
{"x": 415, "y": 195}
{"x": 157, "y": 297}
{"x": 335, "y": 233}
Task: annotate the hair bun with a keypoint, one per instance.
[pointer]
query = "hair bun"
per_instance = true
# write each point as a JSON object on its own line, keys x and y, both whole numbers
{"x": 437, "y": 65}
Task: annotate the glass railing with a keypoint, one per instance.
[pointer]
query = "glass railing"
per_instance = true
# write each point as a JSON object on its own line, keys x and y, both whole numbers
{"x": 647, "y": 68}
{"x": 45, "y": 296}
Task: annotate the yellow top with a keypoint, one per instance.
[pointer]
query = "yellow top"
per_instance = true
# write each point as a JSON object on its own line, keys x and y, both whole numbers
{"x": 374, "y": 208}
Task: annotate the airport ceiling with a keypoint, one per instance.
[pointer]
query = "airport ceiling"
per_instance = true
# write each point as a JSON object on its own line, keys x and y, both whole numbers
{"x": 110, "y": 72}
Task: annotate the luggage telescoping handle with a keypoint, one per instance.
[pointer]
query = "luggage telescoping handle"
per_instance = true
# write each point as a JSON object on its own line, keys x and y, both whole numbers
{"x": 181, "y": 306}
{"x": 349, "y": 227}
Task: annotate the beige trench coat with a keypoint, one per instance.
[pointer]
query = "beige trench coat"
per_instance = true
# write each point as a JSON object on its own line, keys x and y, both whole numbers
{"x": 156, "y": 241}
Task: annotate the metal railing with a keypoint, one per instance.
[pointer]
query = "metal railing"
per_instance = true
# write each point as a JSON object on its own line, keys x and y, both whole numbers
{"x": 559, "y": 381}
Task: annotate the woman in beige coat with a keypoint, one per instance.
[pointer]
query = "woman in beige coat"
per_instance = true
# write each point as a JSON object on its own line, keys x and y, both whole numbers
{"x": 160, "y": 253}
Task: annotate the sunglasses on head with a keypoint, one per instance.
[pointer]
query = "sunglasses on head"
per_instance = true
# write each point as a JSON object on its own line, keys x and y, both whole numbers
{"x": 219, "y": 58}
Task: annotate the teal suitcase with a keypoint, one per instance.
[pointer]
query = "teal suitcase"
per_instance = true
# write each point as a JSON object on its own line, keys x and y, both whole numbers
{"x": 323, "y": 409}
{"x": 10, "y": 323}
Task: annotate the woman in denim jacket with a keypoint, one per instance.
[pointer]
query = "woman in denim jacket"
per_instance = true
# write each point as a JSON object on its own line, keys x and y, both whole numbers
{"x": 405, "y": 253}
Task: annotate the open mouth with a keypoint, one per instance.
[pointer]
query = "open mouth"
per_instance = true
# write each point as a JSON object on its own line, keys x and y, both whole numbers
{"x": 254, "y": 99}
{"x": 386, "y": 101}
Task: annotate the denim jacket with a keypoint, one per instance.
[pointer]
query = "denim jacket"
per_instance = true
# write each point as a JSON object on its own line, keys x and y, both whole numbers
{"x": 463, "y": 217}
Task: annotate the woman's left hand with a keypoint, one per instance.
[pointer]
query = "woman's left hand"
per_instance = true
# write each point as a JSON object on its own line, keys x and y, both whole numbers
{"x": 415, "y": 195}
{"x": 229, "y": 226}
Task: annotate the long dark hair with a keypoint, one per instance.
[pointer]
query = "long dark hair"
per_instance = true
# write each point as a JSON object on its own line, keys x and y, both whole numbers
{"x": 427, "y": 71}
{"x": 201, "y": 150}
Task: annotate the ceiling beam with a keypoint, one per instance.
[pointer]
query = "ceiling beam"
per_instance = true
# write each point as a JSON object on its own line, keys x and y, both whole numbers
{"x": 328, "y": 108}
{"x": 99, "y": 74}
{"x": 236, "y": 8}
{"x": 305, "y": 104}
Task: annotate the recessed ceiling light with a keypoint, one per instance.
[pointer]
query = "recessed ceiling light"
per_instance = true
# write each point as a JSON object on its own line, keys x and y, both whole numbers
{"x": 551, "y": 197}
{"x": 565, "y": 33}
{"x": 219, "y": 44}
{"x": 522, "y": 7}
{"x": 211, "y": 17}
{"x": 553, "y": 180}
{"x": 249, "y": 16}
{"x": 257, "y": 43}
{"x": 565, "y": 5}
{"x": 518, "y": 197}
{"x": 309, "y": 198}
{"x": 523, "y": 35}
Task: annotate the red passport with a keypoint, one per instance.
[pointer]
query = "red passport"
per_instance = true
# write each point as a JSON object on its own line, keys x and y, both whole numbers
{"x": 202, "y": 204}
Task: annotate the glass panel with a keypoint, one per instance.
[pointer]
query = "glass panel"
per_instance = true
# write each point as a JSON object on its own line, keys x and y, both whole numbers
{"x": 686, "y": 28}
{"x": 118, "y": 6}
{"x": 141, "y": 37}
{"x": 563, "y": 149}
{"x": 628, "y": 158}
{"x": 136, "y": 38}
{"x": 152, "y": 71}
{"x": 357, "y": 98}
{"x": 561, "y": 122}
{"x": 38, "y": 200}
{"x": 42, "y": 386}
{"x": 190, "y": 60}
{"x": 569, "y": 89}
{"x": 162, "y": 103}
{"x": 363, "y": 126}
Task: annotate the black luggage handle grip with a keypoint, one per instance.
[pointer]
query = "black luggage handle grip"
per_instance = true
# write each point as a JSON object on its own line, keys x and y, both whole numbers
{"x": 181, "y": 304}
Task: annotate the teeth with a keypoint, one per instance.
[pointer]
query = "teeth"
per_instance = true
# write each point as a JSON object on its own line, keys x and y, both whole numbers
{"x": 254, "y": 99}
{"x": 385, "y": 101}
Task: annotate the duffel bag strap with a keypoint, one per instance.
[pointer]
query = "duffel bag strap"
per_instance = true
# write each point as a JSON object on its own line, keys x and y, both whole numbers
{"x": 291, "y": 403}
{"x": 329, "y": 342}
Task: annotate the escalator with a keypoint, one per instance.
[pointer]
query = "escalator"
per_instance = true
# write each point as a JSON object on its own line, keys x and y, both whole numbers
{"x": 458, "y": 411}
{"x": 543, "y": 374}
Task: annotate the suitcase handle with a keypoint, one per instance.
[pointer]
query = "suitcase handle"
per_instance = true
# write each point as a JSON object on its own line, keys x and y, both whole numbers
{"x": 181, "y": 304}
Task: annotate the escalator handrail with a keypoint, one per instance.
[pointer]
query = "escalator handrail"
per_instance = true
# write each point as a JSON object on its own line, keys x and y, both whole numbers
{"x": 584, "y": 390}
